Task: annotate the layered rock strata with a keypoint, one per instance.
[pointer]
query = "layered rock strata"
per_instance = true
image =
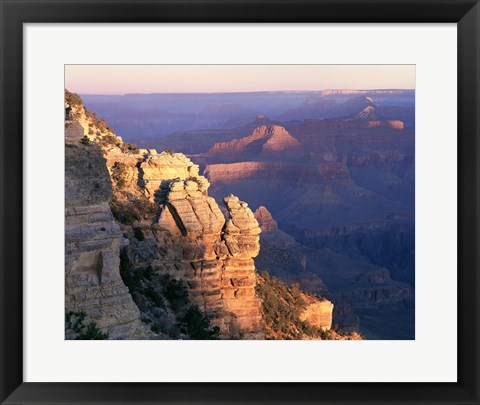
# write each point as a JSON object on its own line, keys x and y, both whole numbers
{"x": 92, "y": 243}
{"x": 192, "y": 241}
{"x": 189, "y": 237}
{"x": 147, "y": 173}
{"x": 265, "y": 219}
{"x": 318, "y": 313}
{"x": 263, "y": 140}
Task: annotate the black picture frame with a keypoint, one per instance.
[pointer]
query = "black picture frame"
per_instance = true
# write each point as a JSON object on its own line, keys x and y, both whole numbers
{"x": 14, "y": 13}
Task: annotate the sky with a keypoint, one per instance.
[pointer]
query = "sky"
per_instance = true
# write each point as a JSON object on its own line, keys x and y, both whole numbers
{"x": 122, "y": 79}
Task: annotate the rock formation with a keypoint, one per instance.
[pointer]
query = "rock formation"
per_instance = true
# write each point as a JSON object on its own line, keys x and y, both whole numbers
{"x": 265, "y": 219}
{"x": 145, "y": 173}
{"x": 73, "y": 132}
{"x": 291, "y": 314}
{"x": 92, "y": 243}
{"x": 373, "y": 119}
{"x": 318, "y": 313}
{"x": 192, "y": 241}
{"x": 367, "y": 114}
{"x": 266, "y": 139}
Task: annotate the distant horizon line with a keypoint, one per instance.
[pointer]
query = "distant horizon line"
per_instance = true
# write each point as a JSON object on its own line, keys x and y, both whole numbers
{"x": 253, "y": 91}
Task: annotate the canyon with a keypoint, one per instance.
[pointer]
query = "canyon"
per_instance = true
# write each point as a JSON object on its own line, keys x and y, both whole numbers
{"x": 136, "y": 219}
{"x": 320, "y": 198}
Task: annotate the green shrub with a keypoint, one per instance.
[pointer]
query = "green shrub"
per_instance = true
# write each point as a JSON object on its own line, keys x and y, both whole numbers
{"x": 119, "y": 174}
{"x": 74, "y": 326}
{"x": 138, "y": 233}
{"x": 131, "y": 208}
{"x": 164, "y": 302}
{"x": 124, "y": 213}
{"x": 108, "y": 140}
{"x": 154, "y": 296}
{"x": 198, "y": 326}
{"x": 73, "y": 99}
{"x": 175, "y": 291}
{"x": 131, "y": 278}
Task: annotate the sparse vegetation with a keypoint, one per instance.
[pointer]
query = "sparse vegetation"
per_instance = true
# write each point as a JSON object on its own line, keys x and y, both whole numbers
{"x": 282, "y": 306}
{"x": 73, "y": 99}
{"x": 119, "y": 174}
{"x": 197, "y": 326}
{"x": 128, "y": 209}
{"x": 75, "y": 329}
{"x": 128, "y": 147}
{"x": 175, "y": 292}
{"x": 164, "y": 303}
{"x": 195, "y": 179}
{"x": 108, "y": 140}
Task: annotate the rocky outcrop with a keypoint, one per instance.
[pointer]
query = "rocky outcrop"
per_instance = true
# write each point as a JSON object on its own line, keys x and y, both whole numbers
{"x": 372, "y": 119}
{"x": 191, "y": 240}
{"x": 147, "y": 174}
{"x": 188, "y": 237}
{"x": 266, "y": 139}
{"x": 213, "y": 255}
{"x": 317, "y": 313}
{"x": 291, "y": 314}
{"x": 73, "y": 132}
{"x": 92, "y": 242}
{"x": 367, "y": 114}
{"x": 265, "y": 219}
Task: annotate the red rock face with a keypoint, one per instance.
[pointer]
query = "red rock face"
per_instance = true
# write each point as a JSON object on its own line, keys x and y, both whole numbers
{"x": 265, "y": 219}
{"x": 278, "y": 175}
{"x": 193, "y": 241}
{"x": 266, "y": 138}
{"x": 396, "y": 124}
{"x": 284, "y": 172}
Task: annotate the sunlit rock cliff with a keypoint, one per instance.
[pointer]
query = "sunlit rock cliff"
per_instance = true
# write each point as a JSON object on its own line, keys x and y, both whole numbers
{"x": 141, "y": 230}
{"x": 92, "y": 244}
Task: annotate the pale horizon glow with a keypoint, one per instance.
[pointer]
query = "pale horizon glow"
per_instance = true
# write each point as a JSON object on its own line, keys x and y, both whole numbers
{"x": 124, "y": 79}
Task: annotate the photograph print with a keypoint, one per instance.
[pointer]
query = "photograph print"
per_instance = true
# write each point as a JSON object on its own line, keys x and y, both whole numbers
{"x": 239, "y": 202}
